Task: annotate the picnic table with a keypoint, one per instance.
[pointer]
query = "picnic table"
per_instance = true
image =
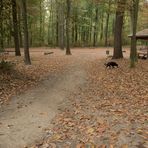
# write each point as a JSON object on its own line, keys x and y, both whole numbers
{"x": 6, "y": 52}
{"x": 143, "y": 53}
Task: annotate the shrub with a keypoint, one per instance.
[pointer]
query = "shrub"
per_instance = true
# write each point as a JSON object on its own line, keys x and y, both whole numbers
{"x": 5, "y": 65}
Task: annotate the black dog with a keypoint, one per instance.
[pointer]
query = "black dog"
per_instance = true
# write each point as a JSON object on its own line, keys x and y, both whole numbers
{"x": 111, "y": 65}
{"x": 144, "y": 58}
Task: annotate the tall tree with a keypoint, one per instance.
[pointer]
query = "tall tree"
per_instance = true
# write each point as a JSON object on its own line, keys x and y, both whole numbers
{"x": 19, "y": 27}
{"x": 106, "y": 29}
{"x": 118, "y": 29}
{"x": 15, "y": 28}
{"x": 107, "y": 23}
{"x": 41, "y": 22}
{"x": 102, "y": 26}
{"x": 26, "y": 38}
{"x": 1, "y": 26}
{"x": 61, "y": 33}
{"x": 134, "y": 18}
{"x": 96, "y": 26}
{"x": 47, "y": 23}
{"x": 68, "y": 52}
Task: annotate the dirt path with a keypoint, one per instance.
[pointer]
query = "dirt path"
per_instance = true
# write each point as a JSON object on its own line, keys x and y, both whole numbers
{"x": 109, "y": 111}
{"x": 24, "y": 119}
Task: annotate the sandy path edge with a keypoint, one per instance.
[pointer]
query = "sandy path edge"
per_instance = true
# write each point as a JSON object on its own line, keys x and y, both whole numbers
{"x": 23, "y": 120}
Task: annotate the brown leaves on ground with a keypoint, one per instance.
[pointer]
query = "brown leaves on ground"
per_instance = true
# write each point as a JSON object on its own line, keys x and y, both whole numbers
{"x": 111, "y": 110}
{"x": 21, "y": 77}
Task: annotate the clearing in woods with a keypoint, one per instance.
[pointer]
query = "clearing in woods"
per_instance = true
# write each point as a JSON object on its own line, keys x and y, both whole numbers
{"x": 85, "y": 102}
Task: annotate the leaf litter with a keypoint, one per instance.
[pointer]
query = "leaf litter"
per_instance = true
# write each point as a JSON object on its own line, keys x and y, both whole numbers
{"x": 22, "y": 77}
{"x": 110, "y": 111}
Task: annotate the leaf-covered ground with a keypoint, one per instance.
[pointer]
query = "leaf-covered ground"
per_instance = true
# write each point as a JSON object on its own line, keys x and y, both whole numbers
{"x": 110, "y": 111}
{"x": 21, "y": 77}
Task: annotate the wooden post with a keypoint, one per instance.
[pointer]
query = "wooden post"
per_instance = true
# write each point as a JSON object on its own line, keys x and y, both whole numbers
{"x": 147, "y": 49}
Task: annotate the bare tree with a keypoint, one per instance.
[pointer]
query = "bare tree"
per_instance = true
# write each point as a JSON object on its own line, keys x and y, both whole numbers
{"x": 118, "y": 29}
{"x": 15, "y": 28}
{"x": 1, "y": 26}
{"x": 134, "y": 18}
{"x": 26, "y": 39}
{"x": 68, "y": 52}
{"x": 61, "y": 32}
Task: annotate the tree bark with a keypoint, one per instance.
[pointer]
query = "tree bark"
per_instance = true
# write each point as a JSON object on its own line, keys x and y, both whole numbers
{"x": 57, "y": 30}
{"x": 15, "y": 28}
{"x": 68, "y": 52}
{"x": 1, "y": 27}
{"x": 76, "y": 33}
{"x": 96, "y": 28}
{"x": 118, "y": 30}
{"x": 102, "y": 27}
{"x": 107, "y": 23}
{"x": 30, "y": 33}
{"x": 49, "y": 26}
{"x": 26, "y": 38}
{"x": 19, "y": 27}
{"x": 106, "y": 30}
{"x": 134, "y": 18}
{"x": 41, "y": 22}
{"x": 61, "y": 25}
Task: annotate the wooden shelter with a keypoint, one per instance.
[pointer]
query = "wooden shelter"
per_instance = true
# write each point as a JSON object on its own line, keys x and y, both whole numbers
{"x": 142, "y": 35}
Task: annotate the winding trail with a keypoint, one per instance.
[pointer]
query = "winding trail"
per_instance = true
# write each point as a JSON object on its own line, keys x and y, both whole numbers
{"x": 24, "y": 119}
{"x": 26, "y": 116}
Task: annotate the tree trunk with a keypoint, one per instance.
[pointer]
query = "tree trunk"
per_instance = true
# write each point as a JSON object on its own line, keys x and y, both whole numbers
{"x": 1, "y": 27}
{"x": 68, "y": 52}
{"x": 43, "y": 28}
{"x": 134, "y": 14}
{"x": 19, "y": 27}
{"x": 118, "y": 30}
{"x": 106, "y": 30}
{"x": 73, "y": 34}
{"x": 53, "y": 25}
{"x": 49, "y": 26}
{"x": 107, "y": 23}
{"x": 96, "y": 28}
{"x": 61, "y": 25}
{"x": 102, "y": 26}
{"x": 57, "y": 32}
{"x": 30, "y": 35}
{"x": 90, "y": 31}
{"x": 41, "y": 21}
{"x": 15, "y": 28}
{"x": 76, "y": 33}
{"x": 26, "y": 39}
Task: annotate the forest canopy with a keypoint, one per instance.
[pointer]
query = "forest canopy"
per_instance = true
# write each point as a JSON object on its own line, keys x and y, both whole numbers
{"x": 91, "y": 22}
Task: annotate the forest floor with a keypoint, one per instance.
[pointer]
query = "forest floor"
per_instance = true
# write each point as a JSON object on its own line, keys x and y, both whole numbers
{"x": 74, "y": 102}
